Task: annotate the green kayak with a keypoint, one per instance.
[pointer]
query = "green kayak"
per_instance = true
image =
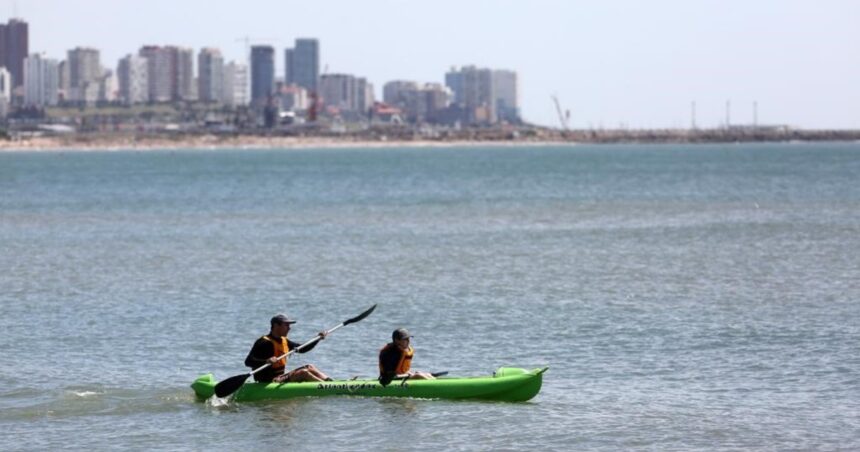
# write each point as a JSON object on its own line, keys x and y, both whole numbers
{"x": 507, "y": 384}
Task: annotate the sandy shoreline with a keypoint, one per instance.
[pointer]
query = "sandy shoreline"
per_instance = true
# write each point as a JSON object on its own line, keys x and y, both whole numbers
{"x": 215, "y": 143}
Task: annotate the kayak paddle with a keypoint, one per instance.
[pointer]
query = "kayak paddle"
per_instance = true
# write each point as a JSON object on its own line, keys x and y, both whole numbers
{"x": 230, "y": 385}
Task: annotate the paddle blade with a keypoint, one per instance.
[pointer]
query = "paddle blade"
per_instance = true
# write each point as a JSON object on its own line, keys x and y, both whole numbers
{"x": 360, "y": 316}
{"x": 230, "y": 385}
{"x": 439, "y": 374}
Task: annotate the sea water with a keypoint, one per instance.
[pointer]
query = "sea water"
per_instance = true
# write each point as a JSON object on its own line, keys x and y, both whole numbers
{"x": 684, "y": 296}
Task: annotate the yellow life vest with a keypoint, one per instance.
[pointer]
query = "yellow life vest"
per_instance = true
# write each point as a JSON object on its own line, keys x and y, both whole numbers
{"x": 281, "y": 347}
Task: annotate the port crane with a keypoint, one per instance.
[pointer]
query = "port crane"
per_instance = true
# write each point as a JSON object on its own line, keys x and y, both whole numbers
{"x": 562, "y": 118}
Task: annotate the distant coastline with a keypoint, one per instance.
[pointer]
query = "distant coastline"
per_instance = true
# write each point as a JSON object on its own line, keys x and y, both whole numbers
{"x": 523, "y": 136}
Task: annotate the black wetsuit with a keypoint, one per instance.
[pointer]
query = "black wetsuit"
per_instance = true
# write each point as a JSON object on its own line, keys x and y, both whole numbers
{"x": 389, "y": 358}
{"x": 262, "y": 351}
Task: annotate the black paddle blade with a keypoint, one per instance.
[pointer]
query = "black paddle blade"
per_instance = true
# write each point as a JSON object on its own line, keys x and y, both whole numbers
{"x": 360, "y": 316}
{"x": 230, "y": 385}
{"x": 439, "y": 374}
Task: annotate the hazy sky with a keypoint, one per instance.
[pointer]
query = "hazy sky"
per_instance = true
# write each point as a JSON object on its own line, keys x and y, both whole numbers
{"x": 611, "y": 62}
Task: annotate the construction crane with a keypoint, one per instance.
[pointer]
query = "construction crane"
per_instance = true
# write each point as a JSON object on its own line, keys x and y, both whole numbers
{"x": 562, "y": 118}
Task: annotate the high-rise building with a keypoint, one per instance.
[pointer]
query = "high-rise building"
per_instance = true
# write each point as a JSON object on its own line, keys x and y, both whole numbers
{"x": 338, "y": 91}
{"x": 132, "y": 73}
{"x": 262, "y": 74}
{"x": 170, "y": 72}
{"x": 235, "y": 85}
{"x": 108, "y": 86}
{"x": 5, "y": 91}
{"x": 507, "y": 95}
{"x": 5, "y": 84}
{"x": 85, "y": 73}
{"x": 394, "y": 92}
{"x": 14, "y": 48}
{"x": 473, "y": 92}
{"x": 210, "y": 79}
{"x": 417, "y": 102}
{"x": 183, "y": 76}
{"x": 159, "y": 71}
{"x": 364, "y": 96}
{"x": 41, "y": 81}
{"x": 64, "y": 86}
{"x": 302, "y": 64}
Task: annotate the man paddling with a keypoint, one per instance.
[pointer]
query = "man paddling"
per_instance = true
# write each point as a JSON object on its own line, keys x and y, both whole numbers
{"x": 395, "y": 359}
{"x": 268, "y": 348}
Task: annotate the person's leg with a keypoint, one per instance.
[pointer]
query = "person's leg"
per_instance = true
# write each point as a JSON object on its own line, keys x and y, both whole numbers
{"x": 305, "y": 373}
{"x": 422, "y": 376}
{"x": 317, "y": 373}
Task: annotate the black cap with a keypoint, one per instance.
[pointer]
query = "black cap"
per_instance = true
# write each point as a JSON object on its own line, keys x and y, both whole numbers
{"x": 400, "y": 333}
{"x": 281, "y": 318}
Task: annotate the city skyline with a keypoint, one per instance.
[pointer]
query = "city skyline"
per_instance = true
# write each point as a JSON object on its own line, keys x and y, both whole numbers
{"x": 614, "y": 65}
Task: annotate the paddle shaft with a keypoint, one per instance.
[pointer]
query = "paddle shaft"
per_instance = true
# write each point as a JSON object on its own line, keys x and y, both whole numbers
{"x": 297, "y": 349}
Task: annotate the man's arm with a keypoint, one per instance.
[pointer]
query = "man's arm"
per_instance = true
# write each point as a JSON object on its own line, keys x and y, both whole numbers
{"x": 260, "y": 353}
{"x": 295, "y": 345}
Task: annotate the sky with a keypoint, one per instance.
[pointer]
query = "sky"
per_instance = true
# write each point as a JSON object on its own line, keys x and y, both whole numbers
{"x": 611, "y": 63}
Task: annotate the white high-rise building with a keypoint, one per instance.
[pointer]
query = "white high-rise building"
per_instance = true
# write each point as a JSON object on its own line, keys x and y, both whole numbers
{"x": 507, "y": 93}
{"x": 5, "y": 91}
{"x": 133, "y": 75}
{"x": 159, "y": 71}
{"x": 235, "y": 84}
{"x": 474, "y": 92}
{"x": 85, "y": 73}
{"x": 210, "y": 80}
{"x": 41, "y": 80}
{"x": 184, "y": 70}
{"x": 170, "y": 72}
{"x": 108, "y": 87}
{"x": 346, "y": 92}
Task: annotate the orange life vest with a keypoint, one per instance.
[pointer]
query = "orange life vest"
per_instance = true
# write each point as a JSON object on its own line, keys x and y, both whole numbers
{"x": 281, "y": 347}
{"x": 405, "y": 361}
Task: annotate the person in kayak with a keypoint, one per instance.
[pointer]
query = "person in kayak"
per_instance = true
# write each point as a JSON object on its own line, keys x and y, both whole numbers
{"x": 269, "y": 347}
{"x": 395, "y": 359}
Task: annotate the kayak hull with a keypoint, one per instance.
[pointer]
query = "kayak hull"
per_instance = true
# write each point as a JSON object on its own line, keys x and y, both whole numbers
{"x": 507, "y": 384}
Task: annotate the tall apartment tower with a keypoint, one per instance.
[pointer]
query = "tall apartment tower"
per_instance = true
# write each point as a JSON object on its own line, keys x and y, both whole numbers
{"x": 85, "y": 73}
{"x": 262, "y": 73}
{"x": 5, "y": 84}
{"x": 14, "y": 47}
{"x": 474, "y": 92}
{"x": 507, "y": 93}
{"x": 182, "y": 78}
{"x": 41, "y": 81}
{"x": 303, "y": 64}
{"x": 5, "y": 91}
{"x": 133, "y": 76}
{"x": 159, "y": 70}
{"x": 170, "y": 72}
{"x": 235, "y": 87}
{"x": 210, "y": 75}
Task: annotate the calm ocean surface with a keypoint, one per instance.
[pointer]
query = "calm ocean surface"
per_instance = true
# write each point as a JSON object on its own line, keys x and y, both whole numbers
{"x": 684, "y": 297}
